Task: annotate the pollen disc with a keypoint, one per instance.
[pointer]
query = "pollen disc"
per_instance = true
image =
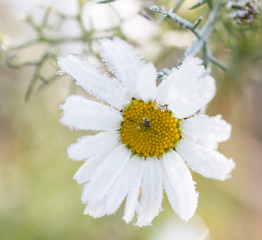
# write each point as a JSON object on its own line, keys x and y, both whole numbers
{"x": 149, "y": 130}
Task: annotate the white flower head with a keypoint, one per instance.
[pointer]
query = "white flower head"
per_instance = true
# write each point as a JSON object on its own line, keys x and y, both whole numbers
{"x": 148, "y": 135}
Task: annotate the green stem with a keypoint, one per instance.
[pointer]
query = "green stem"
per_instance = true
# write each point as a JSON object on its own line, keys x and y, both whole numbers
{"x": 174, "y": 9}
{"x": 204, "y": 33}
{"x": 179, "y": 20}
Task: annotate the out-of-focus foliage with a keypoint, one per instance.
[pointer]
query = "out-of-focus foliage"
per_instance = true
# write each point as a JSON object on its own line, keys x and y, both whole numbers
{"x": 45, "y": 31}
{"x": 200, "y": 18}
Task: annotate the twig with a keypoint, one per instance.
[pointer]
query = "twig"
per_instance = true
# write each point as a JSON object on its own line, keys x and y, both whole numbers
{"x": 202, "y": 2}
{"x": 179, "y": 20}
{"x": 86, "y": 37}
{"x": 202, "y": 35}
{"x": 173, "y": 10}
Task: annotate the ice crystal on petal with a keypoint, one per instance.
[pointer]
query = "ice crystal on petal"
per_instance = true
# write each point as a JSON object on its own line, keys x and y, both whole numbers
{"x": 101, "y": 86}
{"x": 122, "y": 60}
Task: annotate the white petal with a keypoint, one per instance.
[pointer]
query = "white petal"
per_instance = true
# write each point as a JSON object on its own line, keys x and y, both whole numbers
{"x": 84, "y": 114}
{"x": 152, "y": 192}
{"x": 213, "y": 145}
{"x": 146, "y": 84}
{"x": 87, "y": 170}
{"x": 97, "y": 209}
{"x": 207, "y": 162}
{"x": 88, "y": 146}
{"x": 131, "y": 175}
{"x": 206, "y": 128}
{"x": 187, "y": 89}
{"x": 134, "y": 188}
{"x": 102, "y": 87}
{"x": 84, "y": 173}
{"x": 106, "y": 175}
{"x": 123, "y": 61}
{"x": 179, "y": 185}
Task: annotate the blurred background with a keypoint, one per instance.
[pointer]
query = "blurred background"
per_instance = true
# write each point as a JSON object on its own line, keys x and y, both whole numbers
{"x": 38, "y": 197}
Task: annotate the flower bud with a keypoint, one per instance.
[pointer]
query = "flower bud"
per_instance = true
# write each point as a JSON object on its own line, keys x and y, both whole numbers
{"x": 243, "y": 12}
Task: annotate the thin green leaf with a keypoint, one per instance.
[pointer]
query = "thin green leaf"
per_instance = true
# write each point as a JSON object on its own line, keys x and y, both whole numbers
{"x": 200, "y": 3}
{"x": 197, "y": 22}
{"x": 32, "y": 84}
{"x": 218, "y": 63}
{"x": 106, "y": 1}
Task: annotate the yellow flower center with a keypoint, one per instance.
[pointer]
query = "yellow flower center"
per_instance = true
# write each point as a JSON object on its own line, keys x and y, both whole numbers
{"x": 149, "y": 130}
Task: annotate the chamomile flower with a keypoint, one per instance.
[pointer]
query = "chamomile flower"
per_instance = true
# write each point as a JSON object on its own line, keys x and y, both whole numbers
{"x": 148, "y": 135}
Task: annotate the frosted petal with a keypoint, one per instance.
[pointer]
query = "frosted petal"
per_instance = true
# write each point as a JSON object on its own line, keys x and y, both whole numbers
{"x": 102, "y": 87}
{"x": 146, "y": 84}
{"x": 84, "y": 114}
{"x": 152, "y": 192}
{"x": 103, "y": 179}
{"x": 179, "y": 185}
{"x": 84, "y": 173}
{"x": 207, "y": 128}
{"x": 88, "y": 146}
{"x": 87, "y": 170}
{"x": 187, "y": 89}
{"x": 97, "y": 209}
{"x": 206, "y": 143}
{"x": 134, "y": 188}
{"x": 209, "y": 163}
{"x": 123, "y": 61}
{"x": 129, "y": 178}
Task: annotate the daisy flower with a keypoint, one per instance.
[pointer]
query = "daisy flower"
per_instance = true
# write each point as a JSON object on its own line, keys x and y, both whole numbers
{"x": 147, "y": 137}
